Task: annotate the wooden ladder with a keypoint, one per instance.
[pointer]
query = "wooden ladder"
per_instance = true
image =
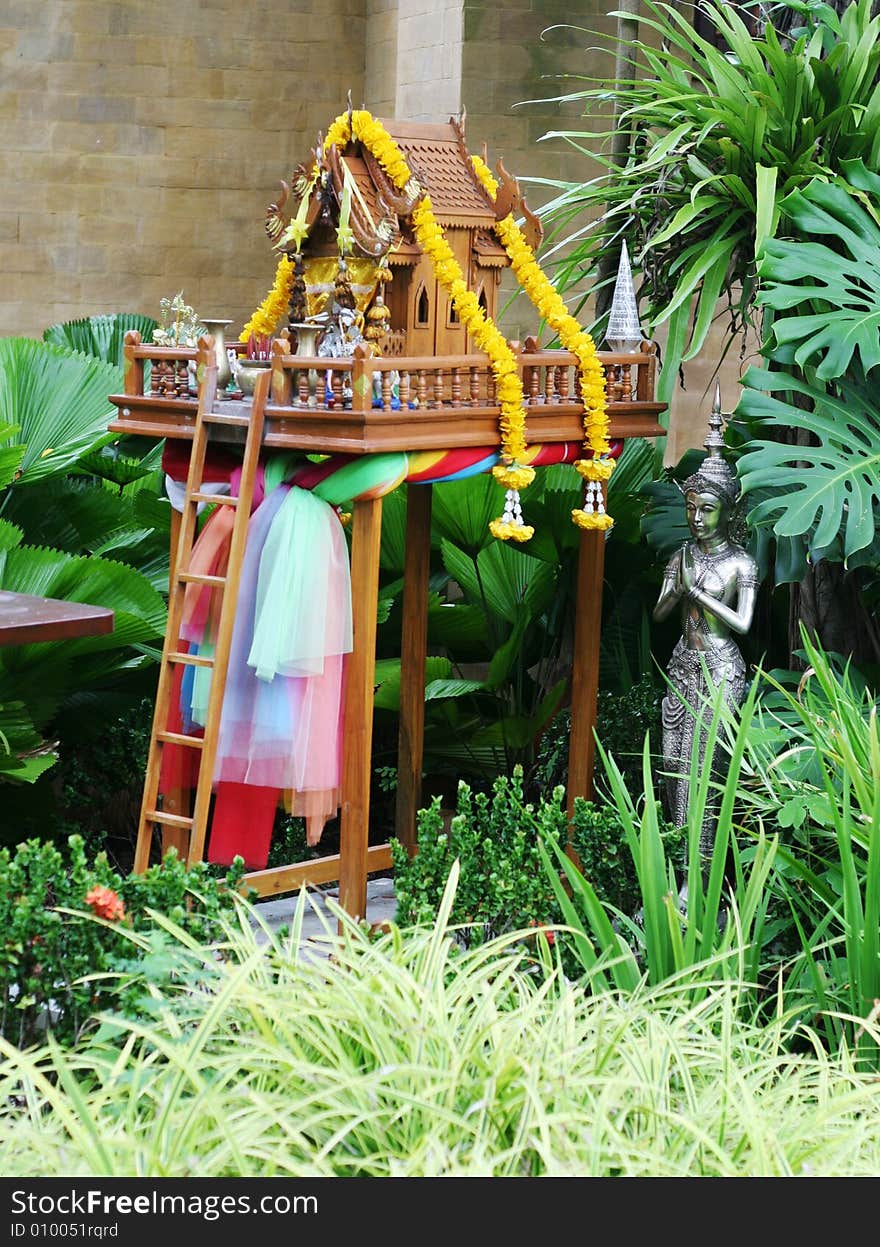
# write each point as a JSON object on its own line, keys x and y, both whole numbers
{"x": 196, "y": 826}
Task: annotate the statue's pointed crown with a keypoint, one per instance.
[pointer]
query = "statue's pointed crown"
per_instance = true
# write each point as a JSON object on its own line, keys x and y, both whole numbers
{"x": 715, "y": 473}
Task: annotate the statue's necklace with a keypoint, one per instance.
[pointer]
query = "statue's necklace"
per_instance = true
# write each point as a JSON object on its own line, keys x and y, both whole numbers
{"x": 706, "y": 559}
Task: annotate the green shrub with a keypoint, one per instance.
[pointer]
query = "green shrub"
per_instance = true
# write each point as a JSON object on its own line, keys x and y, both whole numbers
{"x": 100, "y": 781}
{"x": 289, "y": 842}
{"x": 622, "y": 720}
{"x": 57, "y": 968}
{"x": 598, "y": 837}
{"x": 502, "y": 886}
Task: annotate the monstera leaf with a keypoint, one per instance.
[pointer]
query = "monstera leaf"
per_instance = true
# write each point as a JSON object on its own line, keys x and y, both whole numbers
{"x": 822, "y": 490}
{"x": 101, "y": 336}
{"x": 56, "y": 402}
{"x": 836, "y": 282}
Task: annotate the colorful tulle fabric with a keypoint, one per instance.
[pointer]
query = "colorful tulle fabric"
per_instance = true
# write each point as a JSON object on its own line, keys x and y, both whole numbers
{"x": 280, "y": 725}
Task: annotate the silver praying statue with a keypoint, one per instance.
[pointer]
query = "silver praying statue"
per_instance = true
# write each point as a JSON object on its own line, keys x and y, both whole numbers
{"x": 714, "y": 583}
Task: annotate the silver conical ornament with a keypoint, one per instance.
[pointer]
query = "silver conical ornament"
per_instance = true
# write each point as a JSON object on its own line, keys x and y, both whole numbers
{"x": 624, "y": 332}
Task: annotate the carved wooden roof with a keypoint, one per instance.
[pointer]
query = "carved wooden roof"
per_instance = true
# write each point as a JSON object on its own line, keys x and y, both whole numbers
{"x": 438, "y": 157}
{"x": 439, "y": 160}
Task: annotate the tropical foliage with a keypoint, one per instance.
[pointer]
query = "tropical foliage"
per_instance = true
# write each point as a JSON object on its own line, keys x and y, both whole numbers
{"x": 821, "y": 290}
{"x": 500, "y": 618}
{"x": 101, "y": 336}
{"x": 788, "y": 904}
{"x": 76, "y": 523}
{"x": 720, "y": 133}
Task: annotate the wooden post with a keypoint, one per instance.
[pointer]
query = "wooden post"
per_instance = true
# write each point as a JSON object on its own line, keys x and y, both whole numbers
{"x": 358, "y": 721}
{"x": 282, "y": 380}
{"x": 414, "y": 643}
{"x": 585, "y": 668}
{"x": 646, "y": 374}
{"x": 132, "y": 369}
{"x": 362, "y": 378}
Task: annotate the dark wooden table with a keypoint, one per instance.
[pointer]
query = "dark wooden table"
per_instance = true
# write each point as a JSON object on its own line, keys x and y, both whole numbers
{"x": 25, "y": 619}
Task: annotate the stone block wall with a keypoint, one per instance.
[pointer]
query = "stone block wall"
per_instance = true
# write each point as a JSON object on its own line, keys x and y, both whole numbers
{"x": 140, "y": 145}
{"x": 429, "y": 59}
{"x": 516, "y": 56}
{"x": 380, "y": 58}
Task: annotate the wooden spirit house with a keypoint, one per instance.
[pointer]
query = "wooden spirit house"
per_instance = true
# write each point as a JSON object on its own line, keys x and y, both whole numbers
{"x": 423, "y": 320}
{"x": 434, "y": 385}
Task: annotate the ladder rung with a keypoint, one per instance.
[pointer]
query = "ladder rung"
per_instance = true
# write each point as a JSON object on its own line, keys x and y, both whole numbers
{"x": 191, "y": 660}
{"x": 179, "y": 738}
{"x": 196, "y": 578}
{"x": 220, "y": 499}
{"x": 211, "y": 417}
{"x": 173, "y": 820}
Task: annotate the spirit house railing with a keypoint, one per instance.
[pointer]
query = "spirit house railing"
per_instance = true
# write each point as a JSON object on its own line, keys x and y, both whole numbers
{"x": 365, "y": 403}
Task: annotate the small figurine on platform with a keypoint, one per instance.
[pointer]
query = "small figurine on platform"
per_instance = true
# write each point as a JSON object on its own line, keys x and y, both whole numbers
{"x": 343, "y": 333}
{"x": 714, "y": 582}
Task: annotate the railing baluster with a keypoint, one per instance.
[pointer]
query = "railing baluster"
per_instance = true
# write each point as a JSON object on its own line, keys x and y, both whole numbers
{"x": 550, "y": 384}
{"x": 534, "y": 387}
{"x": 302, "y": 387}
{"x": 456, "y": 387}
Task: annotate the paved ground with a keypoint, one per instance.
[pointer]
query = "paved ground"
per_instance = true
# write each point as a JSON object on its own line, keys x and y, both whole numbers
{"x": 381, "y": 906}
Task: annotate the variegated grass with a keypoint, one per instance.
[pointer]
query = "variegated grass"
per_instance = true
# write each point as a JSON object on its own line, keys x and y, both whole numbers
{"x": 405, "y": 1055}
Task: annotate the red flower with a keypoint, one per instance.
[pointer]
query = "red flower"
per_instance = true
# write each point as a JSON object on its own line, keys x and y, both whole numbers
{"x": 106, "y": 903}
{"x": 549, "y": 935}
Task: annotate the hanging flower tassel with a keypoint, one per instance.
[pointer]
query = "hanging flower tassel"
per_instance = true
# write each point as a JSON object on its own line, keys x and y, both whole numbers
{"x": 513, "y": 475}
{"x": 595, "y": 472}
{"x": 511, "y": 527}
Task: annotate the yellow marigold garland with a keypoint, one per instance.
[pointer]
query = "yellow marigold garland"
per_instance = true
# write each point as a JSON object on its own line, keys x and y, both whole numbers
{"x": 489, "y": 339}
{"x": 550, "y": 304}
{"x": 269, "y": 313}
